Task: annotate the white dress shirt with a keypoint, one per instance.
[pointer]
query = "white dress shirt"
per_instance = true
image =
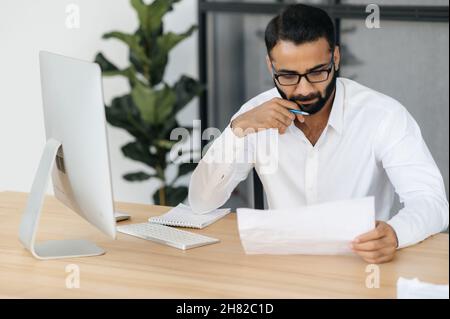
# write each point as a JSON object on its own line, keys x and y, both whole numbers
{"x": 371, "y": 146}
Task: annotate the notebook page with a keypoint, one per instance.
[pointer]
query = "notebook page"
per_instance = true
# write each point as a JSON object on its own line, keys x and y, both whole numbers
{"x": 182, "y": 216}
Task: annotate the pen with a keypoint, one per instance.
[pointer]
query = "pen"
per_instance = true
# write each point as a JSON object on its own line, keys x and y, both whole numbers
{"x": 298, "y": 112}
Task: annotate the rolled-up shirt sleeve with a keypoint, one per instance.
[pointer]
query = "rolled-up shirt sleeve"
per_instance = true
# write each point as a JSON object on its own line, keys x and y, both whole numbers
{"x": 410, "y": 167}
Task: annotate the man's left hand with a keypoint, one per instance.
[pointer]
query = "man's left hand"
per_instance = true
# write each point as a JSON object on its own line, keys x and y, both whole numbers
{"x": 377, "y": 246}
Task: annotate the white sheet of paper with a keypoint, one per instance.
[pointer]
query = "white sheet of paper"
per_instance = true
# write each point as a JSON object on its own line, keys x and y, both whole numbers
{"x": 323, "y": 229}
{"x": 416, "y": 289}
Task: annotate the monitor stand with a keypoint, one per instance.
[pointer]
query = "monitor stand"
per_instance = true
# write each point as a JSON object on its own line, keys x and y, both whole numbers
{"x": 52, "y": 249}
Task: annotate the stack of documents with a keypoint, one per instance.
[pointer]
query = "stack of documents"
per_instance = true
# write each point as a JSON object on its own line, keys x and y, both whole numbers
{"x": 324, "y": 229}
{"x": 183, "y": 216}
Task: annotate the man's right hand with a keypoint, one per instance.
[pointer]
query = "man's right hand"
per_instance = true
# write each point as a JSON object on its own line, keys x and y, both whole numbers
{"x": 271, "y": 114}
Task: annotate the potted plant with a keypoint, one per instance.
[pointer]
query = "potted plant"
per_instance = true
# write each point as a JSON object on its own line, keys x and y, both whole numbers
{"x": 148, "y": 112}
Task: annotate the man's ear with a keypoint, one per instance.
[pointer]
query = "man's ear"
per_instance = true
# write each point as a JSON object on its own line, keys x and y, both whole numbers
{"x": 337, "y": 57}
{"x": 269, "y": 64}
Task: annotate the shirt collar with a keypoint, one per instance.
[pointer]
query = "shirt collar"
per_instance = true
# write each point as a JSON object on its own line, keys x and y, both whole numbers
{"x": 336, "y": 119}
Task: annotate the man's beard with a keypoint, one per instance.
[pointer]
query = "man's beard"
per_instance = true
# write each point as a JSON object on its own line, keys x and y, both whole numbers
{"x": 314, "y": 107}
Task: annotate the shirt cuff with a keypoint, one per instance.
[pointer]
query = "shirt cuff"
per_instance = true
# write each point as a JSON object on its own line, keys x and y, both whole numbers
{"x": 401, "y": 228}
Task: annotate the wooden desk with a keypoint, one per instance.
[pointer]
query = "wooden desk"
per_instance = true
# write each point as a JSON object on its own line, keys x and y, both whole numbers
{"x": 135, "y": 268}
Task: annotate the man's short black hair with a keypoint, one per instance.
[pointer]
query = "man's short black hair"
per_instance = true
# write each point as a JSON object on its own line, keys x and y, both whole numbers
{"x": 300, "y": 24}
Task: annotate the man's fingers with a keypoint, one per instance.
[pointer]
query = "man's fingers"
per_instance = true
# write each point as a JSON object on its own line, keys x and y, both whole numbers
{"x": 283, "y": 118}
{"x": 377, "y": 233}
{"x": 383, "y": 259}
{"x": 377, "y": 257}
{"x": 285, "y": 112}
{"x": 287, "y": 104}
{"x": 369, "y": 255}
{"x": 386, "y": 251}
{"x": 376, "y": 246}
{"x": 300, "y": 118}
{"x": 370, "y": 245}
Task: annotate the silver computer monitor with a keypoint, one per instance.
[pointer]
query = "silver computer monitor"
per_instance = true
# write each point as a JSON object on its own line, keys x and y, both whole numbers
{"x": 75, "y": 156}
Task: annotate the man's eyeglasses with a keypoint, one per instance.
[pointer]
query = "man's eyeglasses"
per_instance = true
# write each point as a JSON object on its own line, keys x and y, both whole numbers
{"x": 290, "y": 79}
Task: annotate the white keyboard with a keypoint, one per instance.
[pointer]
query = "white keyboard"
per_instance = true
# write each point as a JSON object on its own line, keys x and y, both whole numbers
{"x": 166, "y": 235}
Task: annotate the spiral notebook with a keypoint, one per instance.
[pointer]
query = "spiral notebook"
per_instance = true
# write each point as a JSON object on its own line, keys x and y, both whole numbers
{"x": 183, "y": 216}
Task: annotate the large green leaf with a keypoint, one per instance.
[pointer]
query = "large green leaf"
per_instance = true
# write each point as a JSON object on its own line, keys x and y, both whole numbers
{"x": 124, "y": 114}
{"x": 164, "y": 144}
{"x": 151, "y": 15}
{"x": 167, "y": 127}
{"x": 134, "y": 43}
{"x": 142, "y": 66}
{"x": 142, "y": 12}
{"x": 159, "y": 55}
{"x": 168, "y": 41}
{"x": 129, "y": 73}
{"x": 109, "y": 69}
{"x": 186, "y": 89}
{"x": 174, "y": 195}
{"x": 140, "y": 152}
{"x": 137, "y": 176}
{"x": 186, "y": 168}
{"x": 105, "y": 64}
{"x": 155, "y": 105}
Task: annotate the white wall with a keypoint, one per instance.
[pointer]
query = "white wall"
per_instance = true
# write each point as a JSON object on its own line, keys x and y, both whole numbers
{"x": 27, "y": 26}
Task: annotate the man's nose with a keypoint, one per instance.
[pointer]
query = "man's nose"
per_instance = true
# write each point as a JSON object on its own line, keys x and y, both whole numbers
{"x": 303, "y": 88}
